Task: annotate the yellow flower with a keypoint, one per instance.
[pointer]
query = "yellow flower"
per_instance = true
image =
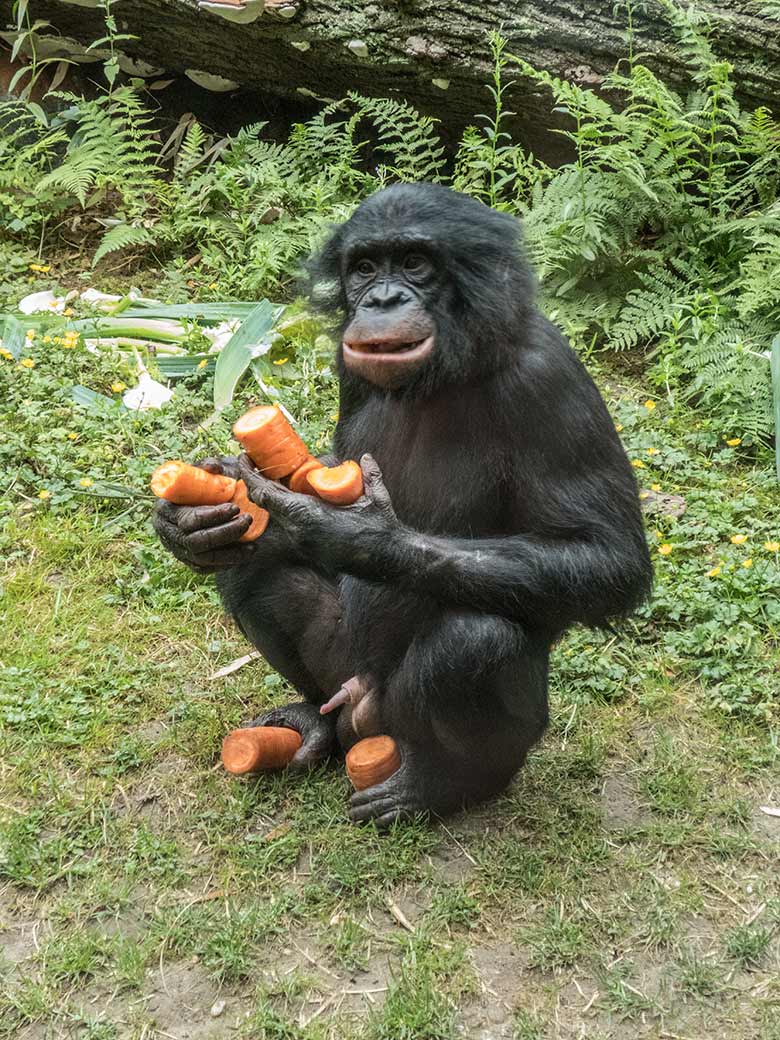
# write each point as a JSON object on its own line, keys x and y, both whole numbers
{"x": 85, "y": 482}
{"x": 643, "y": 495}
{"x": 637, "y": 464}
{"x": 27, "y": 362}
{"x": 738, "y": 539}
{"x": 652, "y": 451}
{"x": 47, "y": 339}
{"x": 72, "y": 436}
{"x": 734, "y": 441}
{"x": 619, "y": 427}
{"x": 118, "y": 387}
{"x": 655, "y": 487}
{"x": 68, "y": 312}
{"x": 650, "y": 405}
{"x": 772, "y": 546}
{"x": 335, "y": 417}
{"x": 281, "y": 361}
{"x": 714, "y": 572}
{"x": 44, "y": 494}
{"x": 6, "y": 354}
{"x": 40, "y": 268}
{"x": 30, "y": 334}
{"x": 57, "y": 340}
{"x": 748, "y": 563}
{"x": 665, "y": 549}
{"x": 203, "y": 363}
{"x": 212, "y": 285}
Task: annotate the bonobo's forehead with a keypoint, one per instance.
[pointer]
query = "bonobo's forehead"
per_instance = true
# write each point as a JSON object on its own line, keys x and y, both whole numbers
{"x": 395, "y": 243}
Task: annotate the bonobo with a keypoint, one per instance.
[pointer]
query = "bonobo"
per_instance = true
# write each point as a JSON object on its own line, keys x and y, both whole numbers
{"x": 499, "y": 509}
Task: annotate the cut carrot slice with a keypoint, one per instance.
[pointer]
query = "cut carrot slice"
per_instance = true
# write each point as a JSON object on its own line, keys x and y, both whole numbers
{"x": 186, "y": 485}
{"x": 297, "y": 481}
{"x": 341, "y": 485}
{"x": 371, "y": 761}
{"x": 270, "y": 442}
{"x": 259, "y": 748}
{"x": 260, "y": 517}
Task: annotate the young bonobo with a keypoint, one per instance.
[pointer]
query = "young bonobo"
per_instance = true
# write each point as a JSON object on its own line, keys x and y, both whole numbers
{"x": 499, "y": 509}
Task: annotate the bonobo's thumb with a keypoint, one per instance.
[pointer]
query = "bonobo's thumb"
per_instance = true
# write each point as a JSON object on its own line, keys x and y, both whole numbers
{"x": 374, "y": 486}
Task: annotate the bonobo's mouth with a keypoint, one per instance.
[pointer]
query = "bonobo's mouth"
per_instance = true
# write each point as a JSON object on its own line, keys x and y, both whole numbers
{"x": 388, "y": 351}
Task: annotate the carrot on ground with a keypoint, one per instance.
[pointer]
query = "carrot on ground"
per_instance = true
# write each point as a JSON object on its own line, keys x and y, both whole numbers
{"x": 341, "y": 485}
{"x": 371, "y": 761}
{"x": 297, "y": 481}
{"x": 186, "y": 485}
{"x": 259, "y": 748}
{"x": 270, "y": 442}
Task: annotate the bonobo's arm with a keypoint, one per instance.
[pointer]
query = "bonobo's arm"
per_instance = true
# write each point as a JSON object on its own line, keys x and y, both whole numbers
{"x": 595, "y": 568}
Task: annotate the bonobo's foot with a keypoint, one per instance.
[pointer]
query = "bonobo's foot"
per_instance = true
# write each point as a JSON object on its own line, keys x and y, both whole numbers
{"x": 417, "y": 788}
{"x": 318, "y": 732}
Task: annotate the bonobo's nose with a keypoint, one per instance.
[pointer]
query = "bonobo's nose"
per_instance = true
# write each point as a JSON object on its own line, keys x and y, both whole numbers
{"x": 384, "y": 296}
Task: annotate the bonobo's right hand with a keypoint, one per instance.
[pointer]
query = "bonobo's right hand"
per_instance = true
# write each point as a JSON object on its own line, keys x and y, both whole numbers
{"x": 206, "y": 538}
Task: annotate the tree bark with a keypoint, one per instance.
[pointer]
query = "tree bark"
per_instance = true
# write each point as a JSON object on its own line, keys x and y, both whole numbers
{"x": 434, "y": 53}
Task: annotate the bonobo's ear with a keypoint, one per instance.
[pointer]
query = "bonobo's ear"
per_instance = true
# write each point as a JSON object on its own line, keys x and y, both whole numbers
{"x": 323, "y": 283}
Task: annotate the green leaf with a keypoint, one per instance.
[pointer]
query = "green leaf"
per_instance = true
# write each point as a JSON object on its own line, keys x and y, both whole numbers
{"x": 246, "y": 343}
{"x": 93, "y": 401}
{"x": 178, "y": 367}
{"x": 206, "y": 313}
{"x": 775, "y": 365}
{"x": 12, "y": 335}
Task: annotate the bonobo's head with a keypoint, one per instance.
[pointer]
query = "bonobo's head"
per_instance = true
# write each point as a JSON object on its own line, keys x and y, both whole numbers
{"x": 430, "y": 285}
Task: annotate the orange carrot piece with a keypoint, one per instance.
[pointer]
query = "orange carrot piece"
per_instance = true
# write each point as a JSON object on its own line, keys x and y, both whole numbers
{"x": 259, "y": 748}
{"x": 186, "y": 485}
{"x": 341, "y": 485}
{"x": 270, "y": 442}
{"x": 297, "y": 481}
{"x": 371, "y": 761}
{"x": 260, "y": 517}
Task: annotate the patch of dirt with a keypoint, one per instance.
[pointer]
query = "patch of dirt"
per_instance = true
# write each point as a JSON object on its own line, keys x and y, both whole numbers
{"x": 502, "y": 979}
{"x": 620, "y": 805}
{"x": 183, "y": 1000}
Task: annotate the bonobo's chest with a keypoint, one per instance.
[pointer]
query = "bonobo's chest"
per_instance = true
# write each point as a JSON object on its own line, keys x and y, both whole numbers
{"x": 442, "y": 460}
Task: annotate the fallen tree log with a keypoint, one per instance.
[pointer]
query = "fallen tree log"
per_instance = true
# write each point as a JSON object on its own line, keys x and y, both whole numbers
{"x": 434, "y": 53}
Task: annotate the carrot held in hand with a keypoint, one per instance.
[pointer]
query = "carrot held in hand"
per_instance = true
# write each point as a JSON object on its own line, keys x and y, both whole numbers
{"x": 340, "y": 485}
{"x": 260, "y": 517}
{"x": 259, "y": 748}
{"x": 270, "y": 442}
{"x": 371, "y": 761}
{"x": 186, "y": 485}
{"x": 298, "y": 482}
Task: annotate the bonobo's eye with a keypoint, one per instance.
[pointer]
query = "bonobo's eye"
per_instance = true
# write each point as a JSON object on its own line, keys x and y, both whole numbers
{"x": 417, "y": 265}
{"x": 365, "y": 269}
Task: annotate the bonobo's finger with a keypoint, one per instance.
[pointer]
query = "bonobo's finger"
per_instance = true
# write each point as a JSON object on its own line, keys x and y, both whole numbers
{"x": 219, "y": 559}
{"x": 226, "y": 465}
{"x": 374, "y": 485}
{"x": 207, "y": 539}
{"x": 370, "y": 810}
{"x": 264, "y": 492}
{"x": 195, "y": 518}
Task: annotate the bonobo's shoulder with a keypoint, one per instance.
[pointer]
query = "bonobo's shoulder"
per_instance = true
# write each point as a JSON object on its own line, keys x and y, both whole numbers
{"x": 545, "y": 354}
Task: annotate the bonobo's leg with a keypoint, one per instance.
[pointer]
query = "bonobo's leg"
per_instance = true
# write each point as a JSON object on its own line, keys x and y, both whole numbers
{"x": 465, "y": 705}
{"x": 292, "y": 614}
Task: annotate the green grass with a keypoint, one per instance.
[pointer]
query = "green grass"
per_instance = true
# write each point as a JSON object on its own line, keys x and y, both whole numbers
{"x": 627, "y": 879}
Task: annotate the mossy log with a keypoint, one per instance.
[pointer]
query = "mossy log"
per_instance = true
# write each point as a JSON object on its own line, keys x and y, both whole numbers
{"x": 434, "y": 53}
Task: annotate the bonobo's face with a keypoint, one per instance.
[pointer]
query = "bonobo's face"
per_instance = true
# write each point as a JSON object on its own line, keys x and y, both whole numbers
{"x": 389, "y": 284}
{"x": 430, "y": 287}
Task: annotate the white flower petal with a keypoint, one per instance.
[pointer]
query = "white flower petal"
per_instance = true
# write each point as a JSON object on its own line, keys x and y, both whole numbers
{"x": 148, "y": 393}
{"x": 42, "y": 301}
{"x": 94, "y": 297}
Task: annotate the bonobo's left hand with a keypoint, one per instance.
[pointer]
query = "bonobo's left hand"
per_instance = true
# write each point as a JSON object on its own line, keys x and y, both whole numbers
{"x": 327, "y": 534}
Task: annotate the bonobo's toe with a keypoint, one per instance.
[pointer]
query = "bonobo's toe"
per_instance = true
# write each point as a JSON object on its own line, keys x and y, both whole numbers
{"x": 387, "y": 803}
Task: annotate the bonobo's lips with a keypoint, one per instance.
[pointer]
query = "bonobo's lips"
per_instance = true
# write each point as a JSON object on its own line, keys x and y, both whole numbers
{"x": 387, "y": 361}
{"x": 391, "y": 351}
